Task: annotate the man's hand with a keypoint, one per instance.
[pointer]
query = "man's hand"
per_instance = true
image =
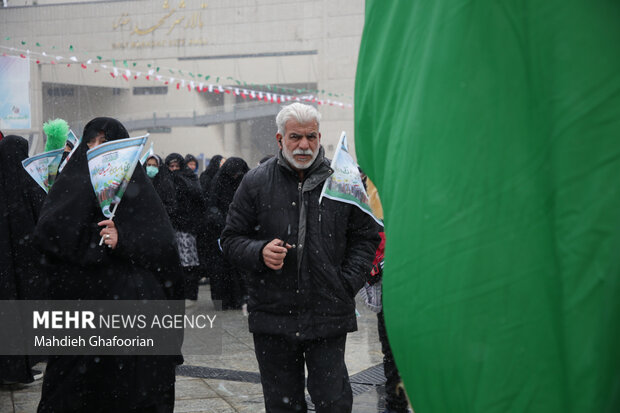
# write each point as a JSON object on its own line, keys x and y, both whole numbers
{"x": 109, "y": 233}
{"x": 274, "y": 253}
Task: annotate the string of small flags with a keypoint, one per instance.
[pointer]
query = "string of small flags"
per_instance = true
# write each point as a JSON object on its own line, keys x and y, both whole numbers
{"x": 199, "y": 84}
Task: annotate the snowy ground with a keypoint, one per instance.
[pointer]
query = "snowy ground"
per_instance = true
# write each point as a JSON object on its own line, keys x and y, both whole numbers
{"x": 228, "y": 382}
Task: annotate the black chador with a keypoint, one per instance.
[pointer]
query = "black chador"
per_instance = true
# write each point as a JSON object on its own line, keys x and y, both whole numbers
{"x": 144, "y": 265}
{"x": 206, "y": 250}
{"x": 164, "y": 186}
{"x": 21, "y": 277}
{"x": 188, "y": 221}
{"x": 207, "y": 176}
{"x": 227, "y": 283}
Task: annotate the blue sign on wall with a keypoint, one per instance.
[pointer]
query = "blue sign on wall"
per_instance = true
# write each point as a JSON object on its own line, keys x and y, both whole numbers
{"x": 14, "y": 93}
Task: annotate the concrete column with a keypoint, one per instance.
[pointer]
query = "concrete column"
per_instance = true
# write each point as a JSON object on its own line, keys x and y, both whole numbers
{"x": 230, "y": 131}
{"x": 37, "y": 141}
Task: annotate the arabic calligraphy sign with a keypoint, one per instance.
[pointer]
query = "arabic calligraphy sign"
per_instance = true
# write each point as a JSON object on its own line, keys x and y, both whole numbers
{"x": 176, "y": 20}
{"x": 176, "y": 17}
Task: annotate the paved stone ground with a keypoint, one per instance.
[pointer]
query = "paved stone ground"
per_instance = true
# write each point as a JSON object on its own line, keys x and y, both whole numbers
{"x": 229, "y": 382}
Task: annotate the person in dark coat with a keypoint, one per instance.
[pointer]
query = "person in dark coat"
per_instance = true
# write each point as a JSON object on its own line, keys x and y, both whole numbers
{"x": 161, "y": 179}
{"x": 138, "y": 261}
{"x": 206, "y": 250}
{"x": 306, "y": 261}
{"x": 21, "y": 275}
{"x": 227, "y": 284}
{"x": 188, "y": 220}
{"x": 207, "y": 175}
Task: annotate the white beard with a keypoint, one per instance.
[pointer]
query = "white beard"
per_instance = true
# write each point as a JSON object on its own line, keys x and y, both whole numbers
{"x": 288, "y": 155}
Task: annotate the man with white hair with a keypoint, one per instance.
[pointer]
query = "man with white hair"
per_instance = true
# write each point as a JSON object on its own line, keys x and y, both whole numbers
{"x": 306, "y": 261}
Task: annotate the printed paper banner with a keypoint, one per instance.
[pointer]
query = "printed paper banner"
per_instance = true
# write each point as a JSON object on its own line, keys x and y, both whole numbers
{"x": 72, "y": 138}
{"x": 52, "y": 167}
{"x": 345, "y": 184}
{"x": 75, "y": 145}
{"x": 147, "y": 155}
{"x": 43, "y": 167}
{"x": 111, "y": 165}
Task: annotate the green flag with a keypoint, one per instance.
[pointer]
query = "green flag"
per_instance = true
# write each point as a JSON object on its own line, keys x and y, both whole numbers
{"x": 492, "y": 132}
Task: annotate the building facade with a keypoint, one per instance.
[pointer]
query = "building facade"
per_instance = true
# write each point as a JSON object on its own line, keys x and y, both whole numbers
{"x": 202, "y": 77}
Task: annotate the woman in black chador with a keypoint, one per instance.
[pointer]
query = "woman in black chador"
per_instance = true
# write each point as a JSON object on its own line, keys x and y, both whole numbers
{"x": 188, "y": 220}
{"x": 206, "y": 250}
{"x": 21, "y": 277}
{"x": 227, "y": 283}
{"x": 161, "y": 179}
{"x": 207, "y": 176}
{"x": 137, "y": 261}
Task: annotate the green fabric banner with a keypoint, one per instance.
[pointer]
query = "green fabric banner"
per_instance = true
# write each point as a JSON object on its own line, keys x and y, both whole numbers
{"x": 492, "y": 131}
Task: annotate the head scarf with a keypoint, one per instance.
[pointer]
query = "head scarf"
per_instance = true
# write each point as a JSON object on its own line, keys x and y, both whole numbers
{"x": 223, "y": 188}
{"x": 111, "y": 129}
{"x": 189, "y": 157}
{"x": 176, "y": 157}
{"x": 164, "y": 186}
{"x": 189, "y": 213}
{"x": 157, "y": 158}
{"x": 226, "y": 182}
{"x": 209, "y": 172}
{"x": 158, "y": 166}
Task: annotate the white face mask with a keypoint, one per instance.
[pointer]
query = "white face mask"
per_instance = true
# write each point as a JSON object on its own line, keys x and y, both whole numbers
{"x": 288, "y": 155}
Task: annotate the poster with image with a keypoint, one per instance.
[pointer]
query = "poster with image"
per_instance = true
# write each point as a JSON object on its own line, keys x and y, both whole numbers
{"x": 72, "y": 138}
{"x": 345, "y": 184}
{"x": 43, "y": 167}
{"x": 14, "y": 93}
{"x": 111, "y": 165}
{"x": 75, "y": 141}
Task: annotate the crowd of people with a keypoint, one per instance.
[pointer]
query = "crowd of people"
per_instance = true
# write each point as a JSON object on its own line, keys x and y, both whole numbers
{"x": 197, "y": 206}
{"x": 159, "y": 243}
{"x": 260, "y": 236}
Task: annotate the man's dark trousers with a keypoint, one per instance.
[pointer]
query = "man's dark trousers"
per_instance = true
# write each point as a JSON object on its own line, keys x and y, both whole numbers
{"x": 281, "y": 363}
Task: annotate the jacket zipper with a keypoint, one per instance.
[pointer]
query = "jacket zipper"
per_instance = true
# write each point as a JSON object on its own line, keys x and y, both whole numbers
{"x": 301, "y": 209}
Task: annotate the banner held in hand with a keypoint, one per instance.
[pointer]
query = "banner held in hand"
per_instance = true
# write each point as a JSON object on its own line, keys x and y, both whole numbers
{"x": 147, "y": 155}
{"x": 345, "y": 184}
{"x": 43, "y": 167}
{"x": 111, "y": 166}
{"x": 71, "y": 138}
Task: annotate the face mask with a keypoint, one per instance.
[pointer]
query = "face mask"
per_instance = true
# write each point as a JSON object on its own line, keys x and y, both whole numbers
{"x": 151, "y": 171}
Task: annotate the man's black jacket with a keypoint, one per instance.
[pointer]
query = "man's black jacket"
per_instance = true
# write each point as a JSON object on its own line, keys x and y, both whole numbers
{"x": 334, "y": 244}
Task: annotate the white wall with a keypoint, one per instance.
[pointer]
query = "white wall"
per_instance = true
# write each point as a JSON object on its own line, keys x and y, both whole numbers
{"x": 330, "y": 31}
